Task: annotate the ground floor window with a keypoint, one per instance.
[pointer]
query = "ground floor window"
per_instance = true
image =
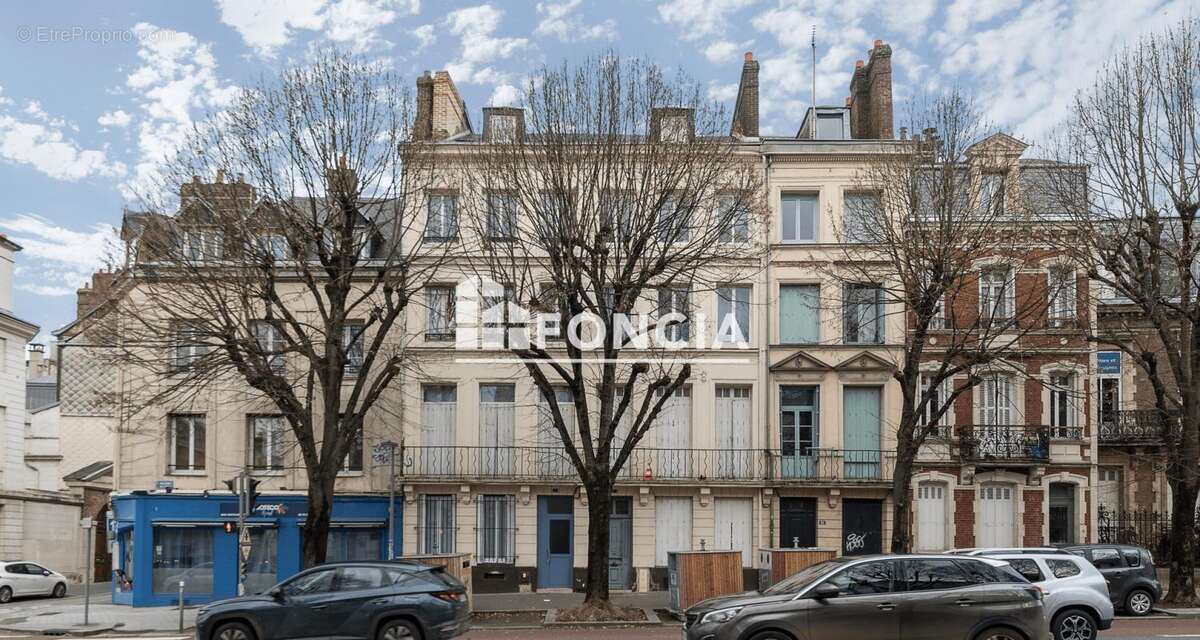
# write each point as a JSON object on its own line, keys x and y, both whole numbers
{"x": 1062, "y": 513}
{"x": 262, "y": 567}
{"x": 497, "y": 529}
{"x": 183, "y": 554}
{"x": 125, "y": 575}
{"x": 351, "y": 543}
{"x": 437, "y": 524}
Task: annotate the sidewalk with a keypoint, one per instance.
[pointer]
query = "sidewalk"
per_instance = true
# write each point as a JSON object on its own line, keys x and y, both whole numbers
{"x": 68, "y": 618}
{"x": 543, "y": 601}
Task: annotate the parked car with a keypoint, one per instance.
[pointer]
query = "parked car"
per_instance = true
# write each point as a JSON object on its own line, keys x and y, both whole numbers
{"x": 30, "y": 579}
{"x": 1076, "y": 595}
{"x": 1132, "y": 580}
{"x": 369, "y": 600}
{"x": 884, "y": 597}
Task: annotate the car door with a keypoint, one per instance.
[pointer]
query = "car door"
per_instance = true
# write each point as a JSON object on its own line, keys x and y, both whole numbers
{"x": 1112, "y": 566}
{"x": 41, "y": 581}
{"x": 303, "y": 608}
{"x": 865, "y": 606}
{"x": 938, "y": 599}
{"x": 359, "y": 593}
{"x": 17, "y": 579}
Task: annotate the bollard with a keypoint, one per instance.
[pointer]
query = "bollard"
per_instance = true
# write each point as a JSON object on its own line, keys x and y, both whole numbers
{"x": 181, "y": 606}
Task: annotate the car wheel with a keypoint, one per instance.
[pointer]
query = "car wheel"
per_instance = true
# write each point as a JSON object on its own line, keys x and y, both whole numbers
{"x": 999, "y": 633}
{"x": 60, "y": 590}
{"x": 770, "y": 635}
{"x": 398, "y": 630}
{"x": 233, "y": 631}
{"x": 1139, "y": 602}
{"x": 5, "y": 594}
{"x": 1073, "y": 624}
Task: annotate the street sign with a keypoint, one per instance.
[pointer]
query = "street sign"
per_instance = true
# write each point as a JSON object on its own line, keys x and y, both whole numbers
{"x": 245, "y": 549}
{"x": 1108, "y": 362}
{"x": 244, "y": 537}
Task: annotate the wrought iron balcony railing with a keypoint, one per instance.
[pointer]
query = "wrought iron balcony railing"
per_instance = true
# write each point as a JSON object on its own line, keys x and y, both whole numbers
{"x": 987, "y": 442}
{"x": 654, "y": 464}
{"x": 1132, "y": 426}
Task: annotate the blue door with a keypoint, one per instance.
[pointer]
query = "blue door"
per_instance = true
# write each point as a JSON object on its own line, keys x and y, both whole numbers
{"x": 799, "y": 431}
{"x": 860, "y": 413}
{"x": 555, "y": 542}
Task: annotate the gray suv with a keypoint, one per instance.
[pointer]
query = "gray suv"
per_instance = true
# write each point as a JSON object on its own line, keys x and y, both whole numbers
{"x": 1076, "y": 596}
{"x": 881, "y": 598}
{"x": 1132, "y": 580}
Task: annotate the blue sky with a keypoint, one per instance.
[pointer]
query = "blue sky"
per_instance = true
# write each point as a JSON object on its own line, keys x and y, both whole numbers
{"x": 92, "y": 94}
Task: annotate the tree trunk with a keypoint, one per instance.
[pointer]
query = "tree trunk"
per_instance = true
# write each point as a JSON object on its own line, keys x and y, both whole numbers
{"x": 902, "y": 505}
{"x": 599, "y": 502}
{"x": 316, "y": 524}
{"x": 1181, "y": 587}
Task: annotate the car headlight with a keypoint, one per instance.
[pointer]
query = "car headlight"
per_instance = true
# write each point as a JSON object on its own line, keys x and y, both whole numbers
{"x": 720, "y": 615}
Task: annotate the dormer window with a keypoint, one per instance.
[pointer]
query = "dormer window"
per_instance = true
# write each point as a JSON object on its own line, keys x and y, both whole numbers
{"x": 504, "y": 128}
{"x": 201, "y": 244}
{"x": 829, "y": 126}
{"x": 991, "y": 193}
{"x": 502, "y": 124}
{"x": 675, "y": 128}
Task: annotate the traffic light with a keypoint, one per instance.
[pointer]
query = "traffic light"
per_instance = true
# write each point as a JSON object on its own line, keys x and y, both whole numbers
{"x": 251, "y": 493}
{"x": 232, "y": 483}
{"x": 230, "y": 527}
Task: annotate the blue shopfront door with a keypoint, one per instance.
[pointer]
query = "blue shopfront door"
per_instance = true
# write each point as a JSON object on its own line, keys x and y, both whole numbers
{"x": 555, "y": 541}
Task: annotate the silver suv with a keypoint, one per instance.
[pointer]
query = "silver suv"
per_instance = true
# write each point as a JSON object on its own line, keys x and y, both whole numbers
{"x": 1076, "y": 594}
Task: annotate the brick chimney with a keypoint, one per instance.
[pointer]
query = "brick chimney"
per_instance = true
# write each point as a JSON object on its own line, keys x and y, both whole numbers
{"x": 218, "y": 193}
{"x": 91, "y": 296}
{"x": 871, "y": 95}
{"x": 745, "y": 110}
{"x": 441, "y": 111}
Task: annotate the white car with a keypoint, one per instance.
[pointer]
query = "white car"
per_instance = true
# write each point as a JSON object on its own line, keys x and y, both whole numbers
{"x": 30, "y": 579}
{"x": 1076, "y": 595}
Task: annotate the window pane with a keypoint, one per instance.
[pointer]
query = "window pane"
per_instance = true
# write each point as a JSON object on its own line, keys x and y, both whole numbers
{"x": 1028, "y": 569}
{"x": 262, "y": 568}
{"x": 359, "y": 578}
{"x": 560, "y": 536}
{"x": 1063, "y": 568}
{"x": 1107, "y": 559}
{"x": 310, "y": 583}
{"x": 354, "y": 544}
{"x": 183, "y": 554}
{"x": 799, "y": 319}
{"x": 858, "y": 209}
{"x": 866, "y": 578}
{"x": 931, "y": 575}
{"x": 799, "y": 217}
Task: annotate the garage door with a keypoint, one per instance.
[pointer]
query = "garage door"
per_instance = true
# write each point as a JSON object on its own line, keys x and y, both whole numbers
{"x": 734, "y": 527}
{"x": 997, "y": 520}
{"x": 931, "y": 516}
{"x": 672, "y": 526}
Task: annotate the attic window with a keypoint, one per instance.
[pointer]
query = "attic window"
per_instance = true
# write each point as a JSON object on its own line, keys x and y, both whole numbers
{"x": 675, "y": 128}
{"x": 502, "y": 128}
{"x": 829, "y": 126}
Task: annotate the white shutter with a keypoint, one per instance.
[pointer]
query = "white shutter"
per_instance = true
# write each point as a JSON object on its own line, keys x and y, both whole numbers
{"x": 673, "y": 526}
{"x": 734, "y": 527}
{"x": 931, "y": 517}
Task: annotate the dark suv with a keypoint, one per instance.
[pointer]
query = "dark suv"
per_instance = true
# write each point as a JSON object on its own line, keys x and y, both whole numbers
{"x": 1129, "y": 571}
{"x": 881, "y": 598}
{"x": 368, "y": 600}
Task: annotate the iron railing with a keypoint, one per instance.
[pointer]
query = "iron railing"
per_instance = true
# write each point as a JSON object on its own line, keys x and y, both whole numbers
{"x": 1140, "y": 527}
{"x": 654, "y": 464}
{"x": 1132, "y": 426}
{"x": 987, "y": 442}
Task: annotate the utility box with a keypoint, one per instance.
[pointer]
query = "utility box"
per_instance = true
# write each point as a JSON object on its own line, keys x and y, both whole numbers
{"x": 693, "y": 576}
{"x": 456, "y": 564}
{"x": 776, "y": 564}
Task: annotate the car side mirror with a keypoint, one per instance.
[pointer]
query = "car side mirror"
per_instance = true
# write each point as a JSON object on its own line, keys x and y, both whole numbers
{"x": 276, "y": 594}
{"x": 824, "y": 591}
{"x": 45, "y": 573}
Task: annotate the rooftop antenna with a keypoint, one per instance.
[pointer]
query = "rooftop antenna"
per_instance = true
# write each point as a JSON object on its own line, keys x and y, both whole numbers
{"x": 812, "y": 125}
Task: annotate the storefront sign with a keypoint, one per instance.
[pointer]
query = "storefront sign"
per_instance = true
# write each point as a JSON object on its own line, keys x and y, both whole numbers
{"x": 261, "y": 510}
{"x": 164, "y": 485}
{"x": 1108, "y": 362}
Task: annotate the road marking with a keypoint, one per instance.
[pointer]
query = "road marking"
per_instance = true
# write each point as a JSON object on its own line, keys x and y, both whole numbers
{"x": 1179, "y": 635}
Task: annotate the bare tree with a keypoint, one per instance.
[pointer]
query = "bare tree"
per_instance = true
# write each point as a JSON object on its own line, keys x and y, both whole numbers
{"x": 292, "y": 278}
{"x": 612, "y": 194}
{"x": 1137, "y": 129}
{"x": 923, "y": 218}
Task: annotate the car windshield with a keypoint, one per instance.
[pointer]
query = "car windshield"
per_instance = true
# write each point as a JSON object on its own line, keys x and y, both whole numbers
{"x": 797, "y": 582}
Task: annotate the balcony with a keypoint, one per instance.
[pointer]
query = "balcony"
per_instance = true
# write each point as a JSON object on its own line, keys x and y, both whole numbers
{"x": 1134, "y": 426}
{"x": 1010, "y": 443}
{"x": 752, "y": 466}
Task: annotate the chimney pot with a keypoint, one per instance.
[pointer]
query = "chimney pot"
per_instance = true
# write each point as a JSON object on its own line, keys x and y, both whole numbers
{"x": 220, "y": 176}
{"x": 858, "y": 64}
{"x": 878, "y": 43}
{"x": 241, "y": 178}
{"x": 195, "y": 179}
{"x": 849, "y": 101}
{"x": 749, "y": 56}
{"x": 904, "y": 133}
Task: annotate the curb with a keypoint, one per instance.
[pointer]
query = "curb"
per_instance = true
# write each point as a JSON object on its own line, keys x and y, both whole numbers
{"x": 91, "y": 630}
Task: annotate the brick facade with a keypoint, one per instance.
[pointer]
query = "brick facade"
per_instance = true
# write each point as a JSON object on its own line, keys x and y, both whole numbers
{"x": 1033, "y": 518}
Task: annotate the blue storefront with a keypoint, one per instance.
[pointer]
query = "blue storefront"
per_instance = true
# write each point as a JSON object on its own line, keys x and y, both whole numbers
{"x": 162, "y": 539}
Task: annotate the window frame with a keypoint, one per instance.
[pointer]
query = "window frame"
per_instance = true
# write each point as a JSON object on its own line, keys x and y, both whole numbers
{"x": 447, "y": 217}
{"x": 1061, "y": 312}
{"x": 990, "y": 292}
{"x": 501, "y": 539}
{"x": 848, "y": 305}
{"x": 502, "y": 206}
{"x": 355, "y": 349}
{"x": 439, "y": 309}
{"x": 669, "y": 298}
{"x": 860, "y": 226}
{"x": 275, "y": 441}
{"x": 728, "y": 297}
{"x": 799, "y": 196}
{"x": 194, "y": 420}
{"x": 272, "y": 344}
{"x": 735, "y": 218}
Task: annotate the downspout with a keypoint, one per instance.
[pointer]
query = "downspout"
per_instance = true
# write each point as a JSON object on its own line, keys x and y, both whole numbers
{"x": 764, "y": 341}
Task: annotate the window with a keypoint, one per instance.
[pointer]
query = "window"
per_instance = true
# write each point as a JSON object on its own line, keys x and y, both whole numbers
{"x": 858, "y": 212}
{"x": 190, "y": 345}
{"x": 354, "y": 456}
{"x": 862, "y": 316}
{"x": 675, "y": 128}
{"x": 733, "y": 314}
{"x": 439, "y": 409}
{"x": 502, "y": 128}
{"x": 360, "y": 578}
{"x": 497, "y": 530}
{"x": 501, "y": 216}
{"x": 734, "y": 219}
{"x": 497, "y": 428}
{"x": 503, "y": 322}
{"x": 201, "y": 244}
{"x": 674, "y": 300}
{"x": 183, "y": 554}
{"x": 1132, "y": 557}
{"x": 799, "y": 217}
{"x": 864, "y": 579}
{"x": 352, "y": 342}
{"x": 274, "y": 245}
{"x": 1062, "y": 409}
{"x": 938, "y": 396}
{"x": 439, "y": 316}
{"x": 437, "y": 524}
{"x": 937, "y": 320}
{"x": 674, "y": 221}
{"x": 799, "y": 426}
{"x": 995, "y": 394}
{"x": 320, "y": 581}
{"x": 442, "y": 222}
{"x": 934, "y": 575}
{"x": 1062, "y": 297}
{"x": 551, "y": 307}
{"x": 267, "y": 435}
{"x": 616, "y": 214}
{"x": 1028, "y": 568}
{"x": 829, "y": 126}
{"x": 271, "y": 345}
{"x": 1063, "y": 568}
{"x": 799, "y": 314}
{"x": 1110, "y": 400}
{"x": 347, "y": 544}
{"x": 262, "y": 567}
{"x": 996, "y": 294}
{"x": 187, "y": 442}
{"x": 983, "y": 573}
{"x": 1107, "y": 559}
{"x": 991, "y": 193}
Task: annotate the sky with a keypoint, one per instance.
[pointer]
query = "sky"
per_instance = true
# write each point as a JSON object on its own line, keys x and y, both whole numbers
{"x": 93, "y": 95}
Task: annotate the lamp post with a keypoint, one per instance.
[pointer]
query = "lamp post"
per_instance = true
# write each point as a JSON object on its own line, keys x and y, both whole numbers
{"x": 386, "y": 452}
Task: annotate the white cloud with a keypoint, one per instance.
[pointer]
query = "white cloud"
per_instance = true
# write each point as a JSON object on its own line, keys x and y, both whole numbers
{"x": 45, "y": 146}
{"x": 700, "y": 18}
{"x": 721, "y": 51}
{"x": 177, "y": 75}
{"x": 558, "y": 20}
{"x": 116, "y": 118}
{"x": 481, "y": 47}
{"x": 425, "y": 36}
{"x": 268, "y": 25}
{"x": 57, "y": 260}
{"x": 505, "y": 95}
{"x": 722, "y": 92}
